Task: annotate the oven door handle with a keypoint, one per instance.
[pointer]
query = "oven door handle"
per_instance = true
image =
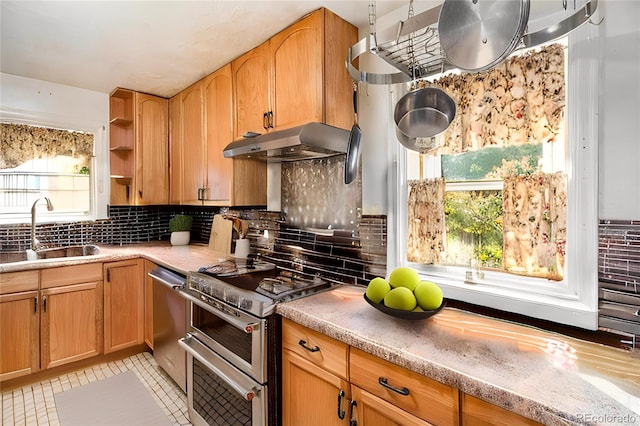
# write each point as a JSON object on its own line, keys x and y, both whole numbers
{"x": 195, "y": 349}
{"x": 246, "y": 326}
{"x": 167, "y": 278}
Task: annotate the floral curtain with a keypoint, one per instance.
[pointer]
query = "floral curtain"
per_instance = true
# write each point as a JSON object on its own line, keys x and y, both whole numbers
{"x": 426, "y": 240}
{"x": 518, "y": 102}
{"x": 20, "y": 143}
{"x": 534, "y": 224}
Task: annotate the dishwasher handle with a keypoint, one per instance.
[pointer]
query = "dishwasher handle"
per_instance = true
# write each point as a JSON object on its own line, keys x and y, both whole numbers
{"x": 167, "y": 278}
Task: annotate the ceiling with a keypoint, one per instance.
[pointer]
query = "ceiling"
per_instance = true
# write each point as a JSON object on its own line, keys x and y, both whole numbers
{"x": 162, "y": 46}
{"x": 157, "y": 47}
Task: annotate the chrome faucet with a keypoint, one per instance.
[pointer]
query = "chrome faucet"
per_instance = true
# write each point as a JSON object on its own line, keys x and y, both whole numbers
{"x": 34, "y": 241}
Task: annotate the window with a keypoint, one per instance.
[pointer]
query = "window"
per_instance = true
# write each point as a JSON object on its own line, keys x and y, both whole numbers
{"x": 41, "y": 161}
{"x": 466, "y": 246}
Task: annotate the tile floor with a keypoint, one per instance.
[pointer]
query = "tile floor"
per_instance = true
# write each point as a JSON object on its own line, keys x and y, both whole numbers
{"x": 34, "y": 404}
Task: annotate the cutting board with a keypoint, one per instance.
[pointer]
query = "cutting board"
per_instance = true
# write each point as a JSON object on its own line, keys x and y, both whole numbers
{"x": 221, "y": 234}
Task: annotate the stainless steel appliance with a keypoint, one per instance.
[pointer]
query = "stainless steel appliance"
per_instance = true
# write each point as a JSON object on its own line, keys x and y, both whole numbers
{"x": 233, "y": 340}
{"x": 169, "y": 324}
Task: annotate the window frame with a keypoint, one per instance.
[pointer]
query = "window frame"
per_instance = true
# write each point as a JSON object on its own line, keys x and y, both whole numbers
{"x": 98, "y": 207}
{"x": 575, "y": 302}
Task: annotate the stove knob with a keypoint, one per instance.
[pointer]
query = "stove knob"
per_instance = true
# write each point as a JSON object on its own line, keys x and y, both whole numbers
{"x": 250, "y": 328}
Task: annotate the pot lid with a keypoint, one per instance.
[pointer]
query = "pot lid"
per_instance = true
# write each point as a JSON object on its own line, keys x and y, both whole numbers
{"x": 476, "y": 35}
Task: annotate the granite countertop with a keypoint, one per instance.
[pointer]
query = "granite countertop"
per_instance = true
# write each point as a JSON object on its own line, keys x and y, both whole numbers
{"x": 549, "y": 377}
{"x": 181, "y": 259}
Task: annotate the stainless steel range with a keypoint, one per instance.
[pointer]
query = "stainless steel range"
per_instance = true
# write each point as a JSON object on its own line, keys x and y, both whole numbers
{"x": 233, "y": 340}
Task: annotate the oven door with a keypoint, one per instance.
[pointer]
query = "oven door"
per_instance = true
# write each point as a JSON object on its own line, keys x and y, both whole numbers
{"x": 238, "y": 337}
{"x": 218, "y": 393}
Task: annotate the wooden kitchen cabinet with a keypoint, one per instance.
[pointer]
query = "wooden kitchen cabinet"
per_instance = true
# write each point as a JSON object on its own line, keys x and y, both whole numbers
{"x": 371, "y": 410}
{"x": 202, "y": 125}
{"x": 314, "y": 374}
{"x": 424, "y": 398}
{"x": 70, "y": 314}
{"x": 191, "y": 142}
{"x": 252, "y": 91}
{"x": 296, "y": 77}
{"x": 476, "y": 412}
{"x": 20, "y": 319}
{"x": 123, "y": 304}
{"x": 139, "y": 147}
{"x": 230, "y": 182}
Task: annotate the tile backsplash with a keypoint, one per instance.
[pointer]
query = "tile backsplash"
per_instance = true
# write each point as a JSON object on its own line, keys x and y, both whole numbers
{"x": 619, "y": 277}
{"x": 352, "y": 257}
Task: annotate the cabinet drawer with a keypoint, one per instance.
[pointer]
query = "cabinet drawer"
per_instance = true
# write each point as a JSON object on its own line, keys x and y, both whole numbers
{"x": 325, "y": 352}
{"x": 74, "y": 274}
{"x": 13, "y": 282}
{"x": 480, "y": 413}
{"x": 425, "y": 398}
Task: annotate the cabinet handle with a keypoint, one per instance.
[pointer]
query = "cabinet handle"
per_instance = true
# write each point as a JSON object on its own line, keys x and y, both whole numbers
{"x": 44, "y": 303}
{"x": 402, "y": 391}
{"x": 35, "y": 305}
{"x": 270, "y": 116}
{"x": 265, "y": 121}
{"x": 341, "y": 413}
{"x": 303, "y": 343}
{"x": 352, "y": 421}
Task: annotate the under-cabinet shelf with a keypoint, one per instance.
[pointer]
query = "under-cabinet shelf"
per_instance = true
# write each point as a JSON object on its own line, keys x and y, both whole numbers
{"x": 121, "y": 121}
{"x": 121, "y": 148}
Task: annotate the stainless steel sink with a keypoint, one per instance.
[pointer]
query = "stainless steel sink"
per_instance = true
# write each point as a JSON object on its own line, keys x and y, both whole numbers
{"x": 50, "y": 253}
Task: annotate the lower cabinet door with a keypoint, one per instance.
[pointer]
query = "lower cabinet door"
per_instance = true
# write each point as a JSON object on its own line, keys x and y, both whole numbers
{"x": 123, "y": 305}
{"x": 311, "y": 396}
{"x": 373, "y": 411}
{"x": 71, "y": 323}
{"x": 19, "y": 334}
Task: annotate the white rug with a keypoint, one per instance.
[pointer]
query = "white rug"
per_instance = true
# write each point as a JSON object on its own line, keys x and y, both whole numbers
{"x": 120, "y": 400}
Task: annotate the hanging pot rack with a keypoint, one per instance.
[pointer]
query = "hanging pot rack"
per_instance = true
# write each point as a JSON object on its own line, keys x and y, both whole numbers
{"x": 415, "y": 50}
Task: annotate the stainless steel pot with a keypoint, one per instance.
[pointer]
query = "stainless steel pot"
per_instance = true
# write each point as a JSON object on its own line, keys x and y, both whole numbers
{"x": 421, "y": 115}
{"x": 476, "y": 35}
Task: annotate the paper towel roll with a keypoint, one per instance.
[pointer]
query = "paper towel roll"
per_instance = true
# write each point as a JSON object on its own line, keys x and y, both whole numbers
{"x": 242, "y": 248}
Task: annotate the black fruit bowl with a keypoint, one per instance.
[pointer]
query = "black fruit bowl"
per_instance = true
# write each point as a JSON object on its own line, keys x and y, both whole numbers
{"x": 409, "y": 315}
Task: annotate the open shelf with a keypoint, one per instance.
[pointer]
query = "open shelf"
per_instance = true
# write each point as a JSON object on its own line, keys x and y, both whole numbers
{"x": 121, "y": 121}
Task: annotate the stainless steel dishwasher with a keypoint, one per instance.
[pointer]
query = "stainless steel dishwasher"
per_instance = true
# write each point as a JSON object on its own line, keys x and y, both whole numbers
{"x": 169, "y": 324}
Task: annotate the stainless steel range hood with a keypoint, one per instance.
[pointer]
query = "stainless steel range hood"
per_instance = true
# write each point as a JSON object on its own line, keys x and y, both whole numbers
{"x": 312, "y": 140}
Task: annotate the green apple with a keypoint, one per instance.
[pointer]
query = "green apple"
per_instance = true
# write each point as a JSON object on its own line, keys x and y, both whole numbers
{"x": 400, "y": 298}
{"x": 377, "y": 289}
{"x": 428, "y": 295}
{"x": 404, "y": 276}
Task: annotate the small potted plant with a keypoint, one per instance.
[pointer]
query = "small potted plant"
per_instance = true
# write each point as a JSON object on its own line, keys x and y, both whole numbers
{"x": 180, "y": 228}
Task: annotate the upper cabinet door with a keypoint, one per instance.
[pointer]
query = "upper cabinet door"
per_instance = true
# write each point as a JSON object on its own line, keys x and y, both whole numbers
{"x": 218, "y": 107}
{"x": 252, "y": 86}
{"x": 193, "y": 143}
{"x": 297, "y": 56}
{"x": 152, "y": 150}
